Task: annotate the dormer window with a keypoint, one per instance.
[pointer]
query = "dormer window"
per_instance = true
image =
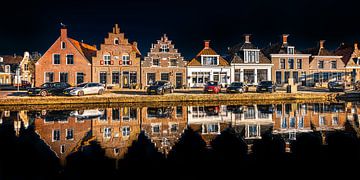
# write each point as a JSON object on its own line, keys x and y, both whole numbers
{"x": 63, "y": 45}
{"x": 210, "y": 60}
{"x": 251, "y": 56}
{"x": 116, "y": 41}
{"x": 164, "y": 48}
{"x": 291, "y": 50}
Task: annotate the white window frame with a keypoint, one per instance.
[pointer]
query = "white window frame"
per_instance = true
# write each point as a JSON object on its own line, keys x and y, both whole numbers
{"x": 165, "y": 73}
{"x": 66, "y": 134}
{"x": 251, "y": 55}
{"x": 127, "y": 131}
{"x": 52, "y": 135}
{"x": 292, "y": 48}
{"x": 67, "y": 59}
{"x": 152, "y": 128}
{"x": 118, "y": 41}
{"x": 210, "y": 56}
{"x": 45, "y": 76}
{"x": 152, "y": 62}
{"x": 107, "y": 59}
{"x": 107, "y": 132}
{"x": 53, "y": 58}
{"x": 125, "y": 61}
{"x": 164, "y": 47}
{"x": 63, "y": 45}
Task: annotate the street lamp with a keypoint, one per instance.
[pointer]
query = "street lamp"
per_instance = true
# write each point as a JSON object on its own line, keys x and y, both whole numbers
{"x": 18, "y": 78}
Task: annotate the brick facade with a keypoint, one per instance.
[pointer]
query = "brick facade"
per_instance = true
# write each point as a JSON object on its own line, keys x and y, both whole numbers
{"x": 117, "y": 62}
{"x": 163, "y": 62}
{"x": 56, "y": 65}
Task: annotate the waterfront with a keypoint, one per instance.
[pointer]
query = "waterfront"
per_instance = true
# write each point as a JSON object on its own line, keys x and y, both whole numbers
{"x": 108, "y": 140}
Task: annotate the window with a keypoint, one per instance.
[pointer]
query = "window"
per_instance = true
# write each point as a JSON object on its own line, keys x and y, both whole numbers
{"x": 282, "y": 63}
{"x": 150, "y": 78}
{"x": 287, "y": 76}
{"x": 103, "y": 76}
{"x": 251, "y": 56}
{"x": 290, "y": 50}
{"x": 210, "y": 60}
{"x": 156, "y": 128}
{"x": 292, "y": 122}
{"x": 63, "y": 45}
{"x": 56, "y": 135}
{"x": 316, "y": 78}
{"x": 179, "y": 111}
{"x": 173, "y": 62}
{"x": 103, "y": 116}
{"x": 125, "y": 131}
{"x": 200, "y": 77}
{"x": 301, "y": 122}
{"x": 115, "y": 77}
{"x": 262, "y": 75}
{"x": 333, "y": 65}
{"x": 116, "y": 41}
{"x": 165, "y": 76}
{"x": 164, "y": 48}
{"x": 321, "y": 64}
{"x": 7, "y": 69}
{"x": 26, "y": 67}
{"x": 116, "y": 114}
{"x": 69, "y": 59}
{"x": 56, "y": 59}
{"x": 107, "y": 132}
{"x": 174, "y": 128}
{"x": 291, "y": 63}
{"x": 126, "y": 59}
{"x": 283, "y": 123}
{"x": 69, "y": 134}
{"x": 237, "y": 75}
{"x": 322, "y": 121}
{"x": 296, "y": 76}
{"x": 299, "y": 63}
{"x": 133, "y": 77}
{"x": 64, "y": 77}
{"x": 79, "y": 78}
{"x": 62, "y": 149}
{"x": 156, "y": 62}
{"x": 325, "y": 76}
{"x": 49, "y": 77}
{"x": 107, "y": 59}
{"x": 253, "y": 131}
{"x": 210, "y": 128}
{"x": 335, "y": 121}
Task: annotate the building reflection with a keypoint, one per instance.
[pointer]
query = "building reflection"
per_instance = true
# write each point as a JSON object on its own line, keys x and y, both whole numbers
{"x": 115, "y": 129}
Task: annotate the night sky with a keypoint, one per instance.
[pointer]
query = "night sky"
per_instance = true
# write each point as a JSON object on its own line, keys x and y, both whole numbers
{"x": 34, "y": 26}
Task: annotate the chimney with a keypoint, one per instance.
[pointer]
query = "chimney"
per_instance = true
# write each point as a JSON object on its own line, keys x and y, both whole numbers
{"x": 247, "y": 38}
{"x": 206, "y": 44}
{"x": 356, "y": 46}
{"x": 165, "y": 37}
{"x": 284, "y": 38}
{"x": 63, "y": 32}
{"x": 116, "y": 29}
{"x": 321, "y": 43}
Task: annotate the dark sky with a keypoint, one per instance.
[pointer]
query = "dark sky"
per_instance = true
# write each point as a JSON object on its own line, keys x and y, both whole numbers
{"x": 34, "y": 26}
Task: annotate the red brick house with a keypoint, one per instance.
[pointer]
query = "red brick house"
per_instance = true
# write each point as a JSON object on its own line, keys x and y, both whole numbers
{"x": 67, "y": 60}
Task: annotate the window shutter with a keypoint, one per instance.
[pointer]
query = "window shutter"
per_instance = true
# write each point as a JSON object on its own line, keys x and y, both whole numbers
{"x": 130, "y": 62}
{"x": 120, "y": 62}
{"x": 112, "y": 62}
{"x": 101, "y": 62}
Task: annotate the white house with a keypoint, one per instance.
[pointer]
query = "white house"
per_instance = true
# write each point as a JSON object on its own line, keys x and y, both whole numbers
{"x": 249, "y": 64}
{"x": 208, "y": 66}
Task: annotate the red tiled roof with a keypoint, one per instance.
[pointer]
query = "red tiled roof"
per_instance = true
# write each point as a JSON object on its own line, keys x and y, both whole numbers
{"x": 11, "y": 59}
{"x": 86, "y": 50}
{"x": 346, "y": 51}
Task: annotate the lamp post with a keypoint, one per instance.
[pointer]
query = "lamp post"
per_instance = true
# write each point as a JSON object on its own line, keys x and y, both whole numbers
{"x": 18, "y": 78}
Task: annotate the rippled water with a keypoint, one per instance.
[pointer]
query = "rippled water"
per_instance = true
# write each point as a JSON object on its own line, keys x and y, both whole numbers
{"x": 67, "y": 143}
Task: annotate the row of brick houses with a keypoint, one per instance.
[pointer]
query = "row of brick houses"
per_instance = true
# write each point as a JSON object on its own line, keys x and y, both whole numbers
{"x": 119, "y": 63}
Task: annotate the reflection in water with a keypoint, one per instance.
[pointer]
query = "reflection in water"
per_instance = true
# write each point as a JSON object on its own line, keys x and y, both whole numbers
{"x": 67, "y": 133}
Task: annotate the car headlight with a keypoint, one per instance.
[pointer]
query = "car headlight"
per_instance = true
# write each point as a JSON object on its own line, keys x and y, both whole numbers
{"x": 159, "y": 88}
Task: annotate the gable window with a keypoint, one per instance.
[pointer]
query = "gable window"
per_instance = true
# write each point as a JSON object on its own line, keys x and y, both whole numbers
{"x": 173, "y": 62}
{"x": 63, "y": 45}
{"x": 251, "y": 56}
{"x": 26, "y": 67}
{"x": 56, "y": 59}
{"x": 333, "y": 65}
{"x": 69, "y": 134}
{"x": 164, "y": 48}
{"x": 282, "y": 63}
{"x": 156, "y": 62}
{"x": 126, "y": 131}
{"x": 62, "y": 149}
{"x": 56, "y": 135}
{"x": 291, "y": 50}
{"x": 107, "y": 59}
{"x": 299, "y": 63}
{"x": 116, "y": 41}
{"x": 156, "y": 128}
{"x": 321, "y": 64}
{"x": 174, "y": 128}
{"x": 291, "y": 63}
{"x": 7, "y": 69}
{"x": 210, "y": 60}
{"x": 49, "y": 77}
{"x": 69, "y": 59}
{"x": 126, "y": 59}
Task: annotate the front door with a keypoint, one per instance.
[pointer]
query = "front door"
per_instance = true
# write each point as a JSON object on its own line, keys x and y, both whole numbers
{"x": 126, "y": 79}
{"x": 179, "y": 80}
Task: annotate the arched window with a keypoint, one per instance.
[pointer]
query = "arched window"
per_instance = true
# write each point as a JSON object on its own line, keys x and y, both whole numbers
{"x": 116, "y": 41}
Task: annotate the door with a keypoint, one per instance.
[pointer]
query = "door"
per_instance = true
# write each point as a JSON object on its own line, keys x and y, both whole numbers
{"x": 178, "y": 81}
{"x": 103, "y": 78}
{"x": 126, "y": 79}
{"x": 64, "y": 77}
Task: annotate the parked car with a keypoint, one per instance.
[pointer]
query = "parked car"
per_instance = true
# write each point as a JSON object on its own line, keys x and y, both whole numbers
{"x": 336, "y": 86}
{"x": 212, "y": 87}
{"x": 266, "y": 86}
{"x": 51, "y": 88}
{"x": 237, "y": 87}
{"x": 85, "y": 89}
{"x": 160, "y": 87}
{"x": 357, "y": 86}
